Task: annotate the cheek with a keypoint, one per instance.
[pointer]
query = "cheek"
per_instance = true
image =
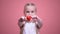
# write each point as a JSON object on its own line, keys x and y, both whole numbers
{"x": 33, "y": 13}
{"x": 27, "y": 14}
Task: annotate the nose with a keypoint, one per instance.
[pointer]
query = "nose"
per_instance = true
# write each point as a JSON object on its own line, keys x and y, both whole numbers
{"x": 30, "y": 13}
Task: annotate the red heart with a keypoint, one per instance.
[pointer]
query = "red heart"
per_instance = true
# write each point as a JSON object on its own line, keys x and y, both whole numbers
{"x": 29, "y": 18}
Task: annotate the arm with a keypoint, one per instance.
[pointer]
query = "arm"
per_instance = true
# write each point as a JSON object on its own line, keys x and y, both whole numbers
{"x": 39, "y": 23}
{"x": 21, "y": 23}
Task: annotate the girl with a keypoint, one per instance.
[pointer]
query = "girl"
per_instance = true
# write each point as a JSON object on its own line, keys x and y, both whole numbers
{"x": 30, "y": 23}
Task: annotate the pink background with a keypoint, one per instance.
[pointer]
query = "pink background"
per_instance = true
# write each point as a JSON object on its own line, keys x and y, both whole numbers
{"x": 12, "y": 10}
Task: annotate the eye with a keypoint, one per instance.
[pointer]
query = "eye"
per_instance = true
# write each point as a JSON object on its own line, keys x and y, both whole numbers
{"x": 32, "y": 11}
{"x": 27, "y": 11}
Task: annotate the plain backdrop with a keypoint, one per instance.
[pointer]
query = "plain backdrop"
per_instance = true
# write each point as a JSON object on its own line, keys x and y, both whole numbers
{"x": 12, "y": 10}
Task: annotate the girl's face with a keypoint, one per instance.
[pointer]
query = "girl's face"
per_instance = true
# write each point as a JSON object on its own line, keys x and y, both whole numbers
{"x": 30, "y": 11}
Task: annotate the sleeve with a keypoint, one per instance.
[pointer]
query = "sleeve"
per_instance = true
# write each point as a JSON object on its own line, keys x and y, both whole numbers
{"x": 39, "y": 23}
{"x": 20, "y": 23}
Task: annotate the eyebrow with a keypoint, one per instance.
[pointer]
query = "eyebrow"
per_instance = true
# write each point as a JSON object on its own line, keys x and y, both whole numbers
{"x": 32, "y": 4}
{"x": 27, "y": 4}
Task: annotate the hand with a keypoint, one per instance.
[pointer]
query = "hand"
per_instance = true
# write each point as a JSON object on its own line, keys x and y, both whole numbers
{"x": 22, "y": 20}
{"x": 34, "y": 19}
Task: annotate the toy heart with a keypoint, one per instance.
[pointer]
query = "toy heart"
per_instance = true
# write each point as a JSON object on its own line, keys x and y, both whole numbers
{"x": 29, "y": 18}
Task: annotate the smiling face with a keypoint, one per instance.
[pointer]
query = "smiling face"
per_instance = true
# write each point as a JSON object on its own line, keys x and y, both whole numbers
{"x": 30, "y": 10}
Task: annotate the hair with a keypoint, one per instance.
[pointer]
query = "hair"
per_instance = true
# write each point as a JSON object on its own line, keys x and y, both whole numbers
{"x": 29, "y": 4}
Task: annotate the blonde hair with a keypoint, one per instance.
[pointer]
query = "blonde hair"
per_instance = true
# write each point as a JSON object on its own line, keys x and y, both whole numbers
{"x": 29, "y": 4}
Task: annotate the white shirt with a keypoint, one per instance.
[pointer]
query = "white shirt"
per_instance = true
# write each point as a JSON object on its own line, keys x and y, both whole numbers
{"x": 29, "y": 28}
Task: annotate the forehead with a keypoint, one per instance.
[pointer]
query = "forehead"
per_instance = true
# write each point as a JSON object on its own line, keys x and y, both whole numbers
{"x": 30, "y": 8}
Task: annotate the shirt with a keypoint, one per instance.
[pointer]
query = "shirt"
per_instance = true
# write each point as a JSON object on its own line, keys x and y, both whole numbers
{"x": 29, "y": 28}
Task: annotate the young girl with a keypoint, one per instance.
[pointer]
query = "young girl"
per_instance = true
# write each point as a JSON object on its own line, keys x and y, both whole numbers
{"x": 30, "y": 23}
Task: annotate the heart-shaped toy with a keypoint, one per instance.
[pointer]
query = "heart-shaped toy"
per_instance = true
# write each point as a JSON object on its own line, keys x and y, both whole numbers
{"x": 29, "y": 18}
